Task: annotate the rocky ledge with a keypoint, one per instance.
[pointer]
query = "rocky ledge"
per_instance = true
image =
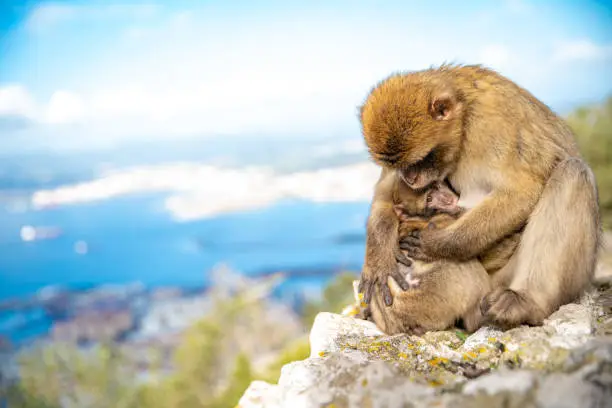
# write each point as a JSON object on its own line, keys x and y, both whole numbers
{"x": 567, "y": 362}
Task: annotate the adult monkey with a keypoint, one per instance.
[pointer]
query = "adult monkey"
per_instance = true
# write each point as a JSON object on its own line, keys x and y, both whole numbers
{"x": 515, "y": 165}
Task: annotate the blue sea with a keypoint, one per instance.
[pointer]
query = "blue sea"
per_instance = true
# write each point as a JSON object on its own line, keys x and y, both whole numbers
{"x": 133, "y": 238}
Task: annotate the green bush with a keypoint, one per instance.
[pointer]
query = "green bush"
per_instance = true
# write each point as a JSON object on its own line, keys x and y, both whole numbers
{"x": 593, "y": 128}
{"x": 336, "y": 295}
{"x": 200, "y": 376}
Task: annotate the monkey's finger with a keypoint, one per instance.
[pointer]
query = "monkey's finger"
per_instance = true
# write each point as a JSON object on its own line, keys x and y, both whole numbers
{"x": 415, "y": 234}
{"x": 485, "y": 305}
{"x": 487, "y": 320}
{"x": 412, "y": 251}
{"x": 367, "y": 294}
{"x": 403, "y": 259}
{"x": 416, "y": 241}
{"x": 363, "y": 289}
{"x": 408, "y": 243}
{"x": 417, "y": 254}
{"x": 386, "y": 292}
{"x": 401, "y": 280}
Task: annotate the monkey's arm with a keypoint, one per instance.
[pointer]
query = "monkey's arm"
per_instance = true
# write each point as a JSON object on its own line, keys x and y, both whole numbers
{"x": 417, "y": 223}
{"x": 442, "y": 220}
{"x": 500, "y": 214}
{"x": 382, "y": 241}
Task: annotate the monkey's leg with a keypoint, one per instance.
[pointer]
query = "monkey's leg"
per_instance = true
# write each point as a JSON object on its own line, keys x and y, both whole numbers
{"x": 556, "y": 258}
{"x": 497, "y": 258}
{"x": 503, "y": 276}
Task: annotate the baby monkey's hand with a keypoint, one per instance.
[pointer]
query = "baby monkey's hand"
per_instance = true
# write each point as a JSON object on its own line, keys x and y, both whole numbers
{"x": 410, "y": 241}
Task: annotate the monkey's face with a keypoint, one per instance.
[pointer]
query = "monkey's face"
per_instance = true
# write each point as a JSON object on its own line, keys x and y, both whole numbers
{"x": 413, "y": 124}
{"x": 441, "y": 199}
{"x": 436, "y": 198}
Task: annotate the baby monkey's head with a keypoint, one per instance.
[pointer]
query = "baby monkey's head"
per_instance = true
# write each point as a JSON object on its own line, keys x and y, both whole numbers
{"x": 437, "y": 198}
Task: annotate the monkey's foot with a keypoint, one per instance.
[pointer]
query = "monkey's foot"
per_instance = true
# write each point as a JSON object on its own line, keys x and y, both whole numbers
{"x": 417, "y": 331}
{"x": 507, "y": 308}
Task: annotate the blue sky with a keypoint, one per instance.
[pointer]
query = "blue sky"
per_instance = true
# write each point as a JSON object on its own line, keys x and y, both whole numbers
{"x": 89, "y": 74}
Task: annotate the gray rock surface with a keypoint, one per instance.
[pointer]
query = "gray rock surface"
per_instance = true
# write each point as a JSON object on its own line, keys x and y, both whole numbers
{"x": 567, "y": 362}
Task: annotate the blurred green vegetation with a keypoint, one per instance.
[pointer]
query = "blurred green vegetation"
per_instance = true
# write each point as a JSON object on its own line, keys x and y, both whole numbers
{"x": 593, "y": 128}
{"x": 201, "y": 374}
{"x": 336, "y": 295}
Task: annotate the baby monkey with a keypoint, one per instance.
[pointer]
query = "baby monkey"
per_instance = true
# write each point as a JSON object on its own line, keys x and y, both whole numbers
{"x": 442, "y": 292}
{"x": 435, "y": 206}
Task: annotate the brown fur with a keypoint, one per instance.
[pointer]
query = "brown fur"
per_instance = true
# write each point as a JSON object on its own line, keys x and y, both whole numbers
{"x": 492, "y": 139}
{"x": 442, "y": 292}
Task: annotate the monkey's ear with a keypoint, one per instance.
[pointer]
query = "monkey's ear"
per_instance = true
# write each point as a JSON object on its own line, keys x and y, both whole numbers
{"x": 442, "y": 107}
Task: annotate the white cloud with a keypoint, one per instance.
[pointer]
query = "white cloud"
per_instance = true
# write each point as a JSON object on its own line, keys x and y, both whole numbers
{"x": 64, "y": 107}
{"x": 200, "y": 191}
{"x": 581, "y": 50}
{"x": 15, "y": 100}
{"x": 495, "y": 56}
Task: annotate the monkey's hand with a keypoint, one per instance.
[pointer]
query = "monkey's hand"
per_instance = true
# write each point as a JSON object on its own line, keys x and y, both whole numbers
{"x": 401, "y": 257}
{"x": 373, "y": 278}
{"x": 413, "y": 246}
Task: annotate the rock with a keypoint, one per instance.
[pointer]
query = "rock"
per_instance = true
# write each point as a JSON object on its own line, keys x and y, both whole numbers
{"x": 564, "y": 363}
{"x": 504, "y": 380}
{"x": 260, "y": 394}
{"x": 565, "y": 391}
{"x": 328, "y": 327}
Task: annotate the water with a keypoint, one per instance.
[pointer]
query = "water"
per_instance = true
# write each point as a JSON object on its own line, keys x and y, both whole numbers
{"x": 133, "y": 239}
